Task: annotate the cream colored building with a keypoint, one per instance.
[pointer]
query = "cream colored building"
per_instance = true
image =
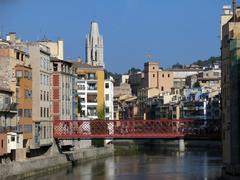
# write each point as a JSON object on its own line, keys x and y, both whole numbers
{"x": 157, "y": 78}
{"x": 56, "y": 48}
{"x": 41, "y": 94}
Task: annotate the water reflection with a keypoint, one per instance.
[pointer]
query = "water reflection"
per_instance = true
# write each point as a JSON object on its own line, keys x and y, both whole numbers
{"x": 148, "y": 164}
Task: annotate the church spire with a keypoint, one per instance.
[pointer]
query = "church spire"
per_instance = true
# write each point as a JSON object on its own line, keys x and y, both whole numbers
{"x": 94, "y": 46}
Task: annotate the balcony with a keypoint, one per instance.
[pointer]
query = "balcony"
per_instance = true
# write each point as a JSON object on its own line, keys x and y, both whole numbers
{"x": 92, "y": 87}
{"x": 92, "y": 111}
{"x": 91, "y": 77}
{"x": 8, "y": 129}
{"x": 92, "y": 98}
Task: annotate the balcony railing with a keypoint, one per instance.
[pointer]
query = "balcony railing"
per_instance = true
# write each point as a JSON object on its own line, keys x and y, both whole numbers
{"x": 8, "y": 129}
{"x": 92, "y": 88}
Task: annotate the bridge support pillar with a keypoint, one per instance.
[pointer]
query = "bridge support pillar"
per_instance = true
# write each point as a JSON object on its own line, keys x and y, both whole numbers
{"x": 181, "y": 145}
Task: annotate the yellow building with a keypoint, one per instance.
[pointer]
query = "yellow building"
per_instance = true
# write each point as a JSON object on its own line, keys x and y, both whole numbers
{"x": 90, "y": 89}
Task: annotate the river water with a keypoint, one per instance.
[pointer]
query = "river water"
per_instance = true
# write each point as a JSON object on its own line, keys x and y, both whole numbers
{"x": 148, "y": 163}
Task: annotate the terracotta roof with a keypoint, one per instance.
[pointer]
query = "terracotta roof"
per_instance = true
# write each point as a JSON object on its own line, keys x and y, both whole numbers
{"x": 54, "y": 59}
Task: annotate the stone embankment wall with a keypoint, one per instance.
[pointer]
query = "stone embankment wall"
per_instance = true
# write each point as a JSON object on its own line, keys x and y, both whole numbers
{"x": 45, "y": 164}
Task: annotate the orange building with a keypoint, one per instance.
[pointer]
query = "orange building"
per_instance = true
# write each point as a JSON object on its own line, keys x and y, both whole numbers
{"x": 24, "y": 101}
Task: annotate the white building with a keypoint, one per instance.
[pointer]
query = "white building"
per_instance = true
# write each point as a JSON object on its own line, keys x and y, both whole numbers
{"x": 108, "y": 92}
{"x": 87, "y": 91}
{"x": 94, "y": 46}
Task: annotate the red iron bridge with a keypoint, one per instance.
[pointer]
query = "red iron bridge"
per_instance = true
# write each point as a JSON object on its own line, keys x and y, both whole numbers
{"x": 133, "y": 129}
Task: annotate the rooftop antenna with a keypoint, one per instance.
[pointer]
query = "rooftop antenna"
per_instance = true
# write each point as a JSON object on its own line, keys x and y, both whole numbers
{"x": 149, "y": 56}
{"x": 234, "y": 6}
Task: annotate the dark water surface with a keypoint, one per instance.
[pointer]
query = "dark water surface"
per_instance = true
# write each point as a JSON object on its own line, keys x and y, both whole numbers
{"x": 148, "y": 163}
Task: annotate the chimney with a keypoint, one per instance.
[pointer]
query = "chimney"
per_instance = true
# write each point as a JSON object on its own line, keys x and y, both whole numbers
{"x": 60, "y": 49}
{"x": 79, "y": 60}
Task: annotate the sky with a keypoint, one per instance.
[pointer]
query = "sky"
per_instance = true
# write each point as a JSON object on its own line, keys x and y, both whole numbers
{"x": 170, "y": 31}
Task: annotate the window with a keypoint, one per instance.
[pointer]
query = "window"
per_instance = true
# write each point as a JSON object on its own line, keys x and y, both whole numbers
{"x": 168, "y": 75}
{"x": 18, "y": 55}
{"x": 27, "y": 128}
{"x": 41, "y": 112}
{"x": 28, "y": 94}
{"x": 107, "y": 110}
{"x": 91, "y": 76}
{"x": 20, "y": 112}
{"x": 44, "y": 79}
{"x": 26, "y": 74}
{"x": 41, "y": 95}
{"x": 153, "y": 75}
{"x": 107, "y": 85}
{"x": 19, "y": 74}
{"x": 47, "y": 80}
{"x": 44, "y": 95}
{"x": 107, "y": 97}
{"x": 12, "y": 138}
{"x": 27, "y": 113}
{"x": 163, "y": 75}
{"x": 162, "y": 88}
{"x": 216, "y": 73}
{"x": 44, "y": 132}
{"x": 47, "y": 96}
{"x": 29, "y": 75}
{"x": 47, "y": 112}
{"x": 41, "y": 79}
{"x": 153, "y": 67}
{"x": 81, "y": 87}
{"x": 2, "y": 143}
{"x": 44, "y": 112}
{"x": 22, "y": 57}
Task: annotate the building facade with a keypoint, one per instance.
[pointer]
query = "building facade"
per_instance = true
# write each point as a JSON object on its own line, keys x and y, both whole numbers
{"x": 230, "y": 56}
{"x": 90, "y": 89}
{"x": 56, "y": 48}
{"x": 63, "y": 90}
{"x": 24, "y": 101}
{"x": 108, "y": 92}
{"x": 41, "y": 94}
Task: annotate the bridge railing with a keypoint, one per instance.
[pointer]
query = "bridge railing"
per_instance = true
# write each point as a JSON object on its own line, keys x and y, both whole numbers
{"x": 164, "y": 128}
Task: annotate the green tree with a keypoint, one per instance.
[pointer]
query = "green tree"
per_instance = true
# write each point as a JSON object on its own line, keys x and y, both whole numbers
{"x": 133, "y": 70}
{"x": 101, "y": 112}
{"x": 196, "y": 85}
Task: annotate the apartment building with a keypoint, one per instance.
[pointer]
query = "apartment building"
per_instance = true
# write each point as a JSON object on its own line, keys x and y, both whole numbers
{"x": 12, "y": 57}
{"x": 9, "y": 146}
{"x": 90, "y": 89}
{"x": 41, "y": 94}
{"x": 24, "y": 101}
{"x": 63, "y": 90}
{"x": 108, "y": 92}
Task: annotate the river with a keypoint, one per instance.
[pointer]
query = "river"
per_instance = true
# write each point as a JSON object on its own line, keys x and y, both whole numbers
{"x": 147, "y": 163}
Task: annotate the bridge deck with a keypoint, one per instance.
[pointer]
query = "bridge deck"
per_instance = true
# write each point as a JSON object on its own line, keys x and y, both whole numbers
{"x": 130, "y": 129}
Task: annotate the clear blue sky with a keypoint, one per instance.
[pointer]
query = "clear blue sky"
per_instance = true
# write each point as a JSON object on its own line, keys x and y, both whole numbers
{"x": 171, "y": 30}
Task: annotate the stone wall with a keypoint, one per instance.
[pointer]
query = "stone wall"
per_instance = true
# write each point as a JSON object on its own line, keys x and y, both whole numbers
{"x": 45, "y": 164}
